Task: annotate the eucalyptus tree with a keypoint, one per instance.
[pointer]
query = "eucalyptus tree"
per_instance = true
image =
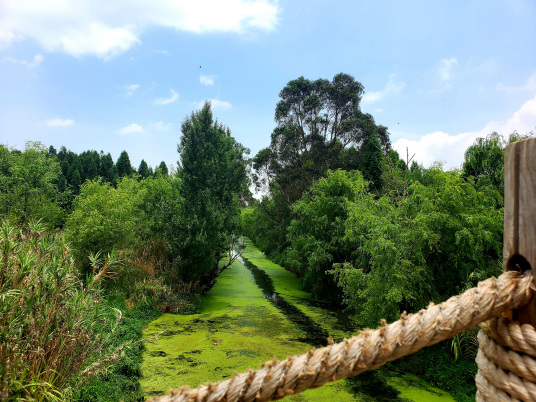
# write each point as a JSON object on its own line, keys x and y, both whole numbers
{"x": 320, "y": 126}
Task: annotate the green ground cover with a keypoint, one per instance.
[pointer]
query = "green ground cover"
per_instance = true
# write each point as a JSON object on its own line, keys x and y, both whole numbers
{"x": 239, "y": 328}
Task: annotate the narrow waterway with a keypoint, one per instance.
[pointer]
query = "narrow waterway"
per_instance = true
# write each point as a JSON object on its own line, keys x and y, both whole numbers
{"x": 257, "y": 311}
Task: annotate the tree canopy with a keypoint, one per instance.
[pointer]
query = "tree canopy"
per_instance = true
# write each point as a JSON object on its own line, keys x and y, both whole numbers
{"x": 213, "y": 175}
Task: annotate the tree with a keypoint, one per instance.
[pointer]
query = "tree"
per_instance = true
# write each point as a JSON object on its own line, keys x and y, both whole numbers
{"x": 76, "y": 181}
{"x": 372, "y": 163}
{"x": 124, "y": 168}
{"x": 143, "y": 170}
{"x": 423, "y": 249}
{"x": 107, "y": 170}
{"x": 212, "y": 173}
{"x": 317, "y": 122}
{"x": 320, "y": 127}
{"x": 52, "y": 152}
{"x": 163, "y": 168}
{"x": 105, "y": 218}
{"x": 28, "y": 184}
{"x": 484, "y": 160}
{"x": 317, "y": 234}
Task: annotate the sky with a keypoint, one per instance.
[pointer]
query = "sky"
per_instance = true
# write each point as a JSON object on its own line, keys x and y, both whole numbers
{"x": 123, "y": 75}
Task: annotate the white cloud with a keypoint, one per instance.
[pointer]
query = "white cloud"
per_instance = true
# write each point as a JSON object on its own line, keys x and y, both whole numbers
{"x": 392, "y": 86}
{"x": 159, "y": 126}
{"x": 135, "y": 128}
{"x": 104, "y": 29}
{"x": 449, "y": 148}
{"x": 166, "y": 101}
{"x": 131, "y": 89}
{"x": 220, "y": 105}
{"x": 131, "y": 129}
{"x": 446, "y": 67}
{"x": 38, "y": 59}
{"x": 207, "y": 79}
{"x": 60, "y": 122}
{"x": 216, "y": 104}
{"x": 530, "y": 85}
{"x": 165, "y": 52}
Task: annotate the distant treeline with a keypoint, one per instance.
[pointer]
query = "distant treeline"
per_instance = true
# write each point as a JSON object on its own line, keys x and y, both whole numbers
{"x": 90, "y": 165}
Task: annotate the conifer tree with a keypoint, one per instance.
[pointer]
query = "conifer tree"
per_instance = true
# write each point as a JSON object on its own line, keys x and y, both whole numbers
{"x": 124, "y": 168}
{"x": 143, "y": 170}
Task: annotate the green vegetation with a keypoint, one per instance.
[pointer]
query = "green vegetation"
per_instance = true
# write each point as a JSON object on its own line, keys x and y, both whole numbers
{"x": 365, "y": 229}
{"x": 27, "y": 185}
{"x": 92, "y": 251}
{"x": 53, "y": 331}
{"x": 105, "y": 218}
{"x": 213, "y": 177}
{"x": 237, "y": 328}
{"x": 74, "y": 301}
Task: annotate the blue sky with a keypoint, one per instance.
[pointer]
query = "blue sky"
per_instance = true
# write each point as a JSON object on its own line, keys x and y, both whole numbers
{"x": 122, "y": 75}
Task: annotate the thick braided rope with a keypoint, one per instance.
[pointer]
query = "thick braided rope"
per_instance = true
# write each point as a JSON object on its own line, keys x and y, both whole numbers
{"x": 506, "y": 359}
{"x": 371, "y": 348}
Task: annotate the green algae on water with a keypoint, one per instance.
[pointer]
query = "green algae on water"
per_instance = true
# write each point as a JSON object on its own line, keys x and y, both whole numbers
{"x": 240, "y": 328}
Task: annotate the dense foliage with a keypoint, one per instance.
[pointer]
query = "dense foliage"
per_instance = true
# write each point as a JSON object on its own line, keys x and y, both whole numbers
{"x": 320, "y": 127}
{"x": 420, "y": 250}
{"x": 362, "y": 227}
{"x": 145, "y": 241}
{"x": 105, "y": 218}
{"x": 45, "y": 307}
{"x": 27, "y": 185}
{"x": 213, "y": 176}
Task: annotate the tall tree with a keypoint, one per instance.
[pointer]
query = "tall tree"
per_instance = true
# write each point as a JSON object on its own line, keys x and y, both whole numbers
{"x": 163, "y": 168}
{"x": 317, "y": 122}
{"x": 143, "y": 170}
{"x": 484, "y": 160}
{"x": 124, "y": 168}
{"x": 52, "y": 152}
{"x": 213, "y": 173}
{"x": 107, "y": 170}
{"x": 372, "y": 164}
{"x": 320, "y": 127}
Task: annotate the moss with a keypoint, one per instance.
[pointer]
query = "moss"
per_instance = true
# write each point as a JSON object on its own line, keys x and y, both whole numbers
{"x": 238, "y": 328}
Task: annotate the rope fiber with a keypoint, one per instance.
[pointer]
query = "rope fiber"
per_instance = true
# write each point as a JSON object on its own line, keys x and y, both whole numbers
{"x": 371, "y": 349}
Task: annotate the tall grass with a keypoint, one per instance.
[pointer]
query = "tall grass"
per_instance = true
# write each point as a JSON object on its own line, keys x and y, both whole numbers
{"x": 53, "y": 332}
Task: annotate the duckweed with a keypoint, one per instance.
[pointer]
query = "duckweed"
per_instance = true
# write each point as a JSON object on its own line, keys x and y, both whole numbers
{"x": 239, "y": 327}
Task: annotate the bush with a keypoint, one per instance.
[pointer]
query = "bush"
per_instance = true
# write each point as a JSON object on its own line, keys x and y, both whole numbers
{"x": 121, "y": 380}
{"x": 105, "y": 218}
{"x": 435, "y": 366}
{"x": 52, "y": 330}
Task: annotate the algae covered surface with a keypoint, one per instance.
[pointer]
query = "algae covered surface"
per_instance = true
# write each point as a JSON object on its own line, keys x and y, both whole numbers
{"x": 248, "y": 318}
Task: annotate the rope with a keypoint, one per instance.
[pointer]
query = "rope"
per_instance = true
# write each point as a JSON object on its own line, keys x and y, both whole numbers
{"x": 374, "y": 348}
{"x": 506, "y": 364}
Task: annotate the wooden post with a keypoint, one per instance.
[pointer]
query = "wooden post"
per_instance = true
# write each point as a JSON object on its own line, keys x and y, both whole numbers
{"x": 519, "y": 252}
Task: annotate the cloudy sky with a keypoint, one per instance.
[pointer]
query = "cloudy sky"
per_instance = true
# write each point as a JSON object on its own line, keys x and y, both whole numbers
{"x": 122, "y": 75}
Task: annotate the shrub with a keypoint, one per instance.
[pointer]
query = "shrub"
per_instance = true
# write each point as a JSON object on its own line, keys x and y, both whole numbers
{"x": 52, "y": 329}
{"x": 105, "y": 218}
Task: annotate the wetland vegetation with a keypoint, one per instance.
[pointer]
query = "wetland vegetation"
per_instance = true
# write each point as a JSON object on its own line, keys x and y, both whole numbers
{"x": 257, "y": 310}
{"x": 118, "y": 283}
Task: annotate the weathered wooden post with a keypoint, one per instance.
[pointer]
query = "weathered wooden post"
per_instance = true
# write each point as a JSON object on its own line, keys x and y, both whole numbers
{"x": 519, "y": 252}
{"x": 507, "y": 346}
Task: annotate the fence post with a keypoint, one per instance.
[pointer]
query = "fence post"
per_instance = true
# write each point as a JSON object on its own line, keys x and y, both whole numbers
{"x": 519, "y": 252}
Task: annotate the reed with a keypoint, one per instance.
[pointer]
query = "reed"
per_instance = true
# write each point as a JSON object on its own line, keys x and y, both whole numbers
{"x": 53, "y": 332}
